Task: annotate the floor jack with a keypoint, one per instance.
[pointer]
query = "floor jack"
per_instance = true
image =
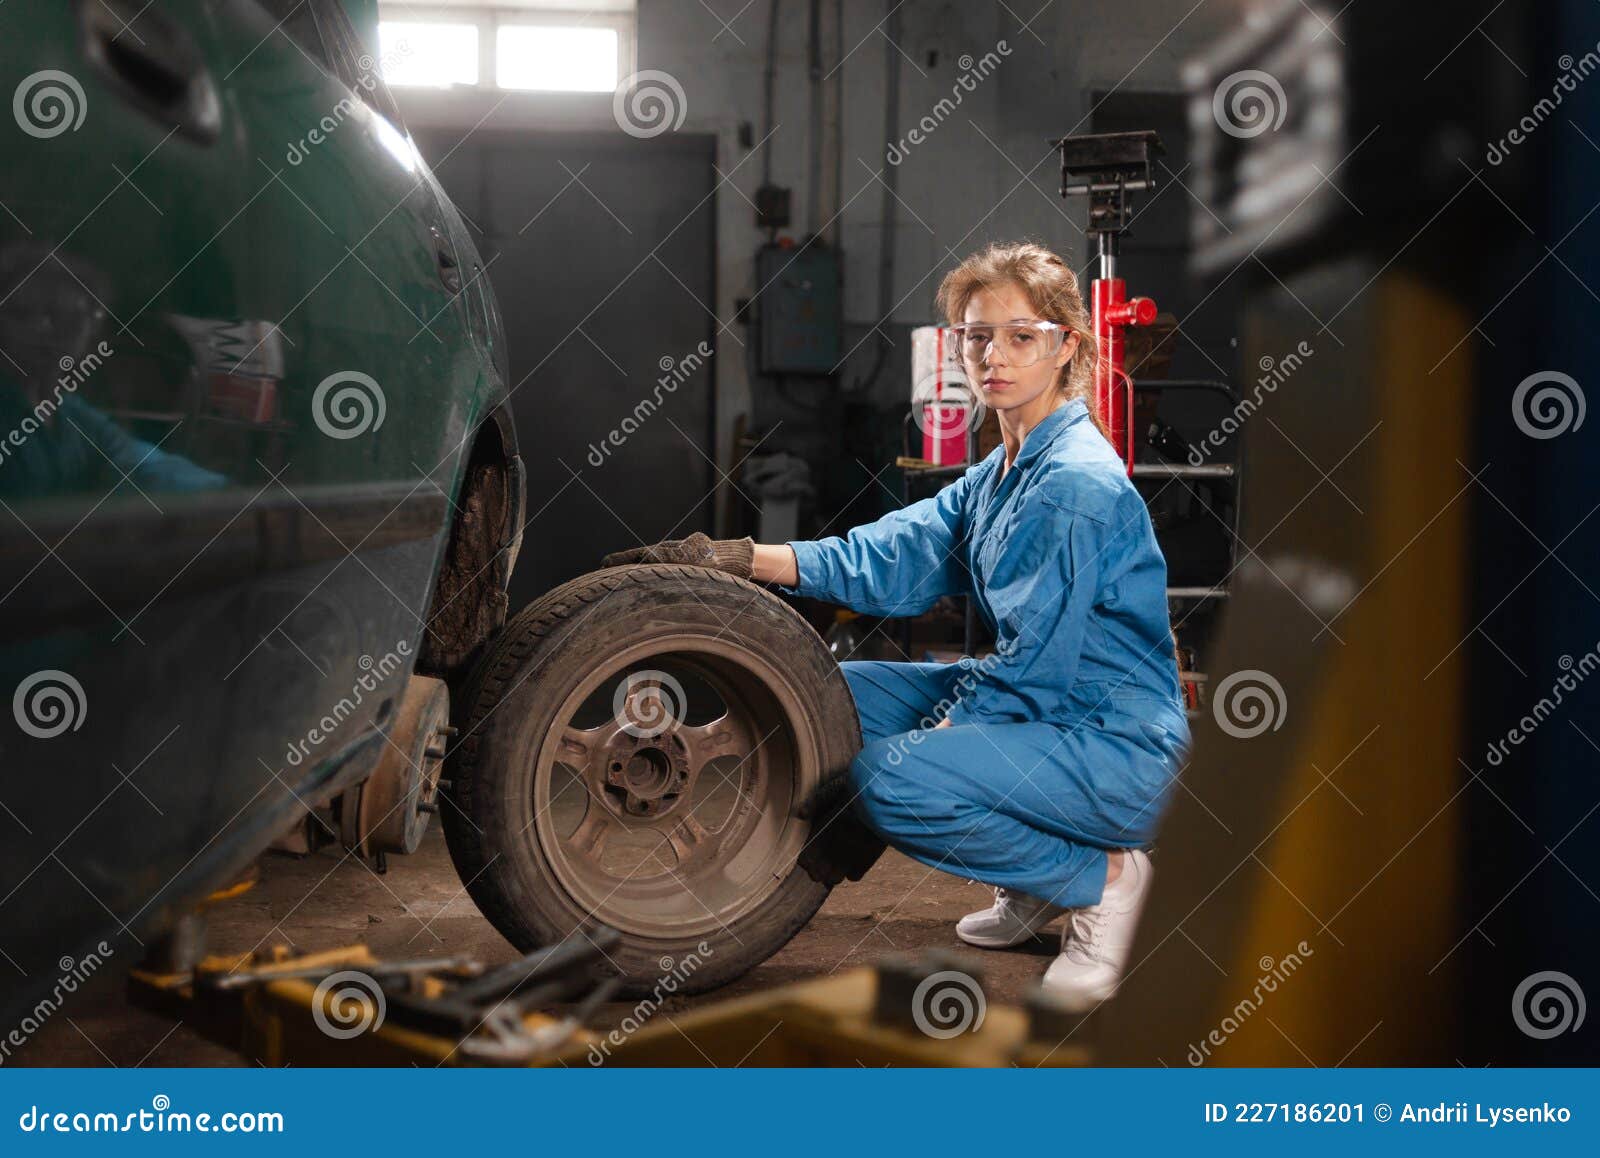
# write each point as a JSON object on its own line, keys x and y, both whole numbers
{"x": 1106, "y": 168}
{"x": 347, "y": 1007}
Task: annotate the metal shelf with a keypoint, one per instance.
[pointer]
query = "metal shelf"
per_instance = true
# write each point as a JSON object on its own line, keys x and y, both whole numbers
{"x": 1197, "y": 593}
{"x": 1219, "y": 470}
{"x": 952, "y": 471}
{"x": 1179, "y": 470}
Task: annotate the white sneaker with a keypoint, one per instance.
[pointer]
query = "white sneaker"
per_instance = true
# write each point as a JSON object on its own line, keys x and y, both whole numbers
{"x": 1097, "y": 940}
{"x": 1011, "y": 920}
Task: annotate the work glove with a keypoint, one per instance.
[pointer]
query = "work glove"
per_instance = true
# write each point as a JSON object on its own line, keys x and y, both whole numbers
{"x": 734, "y": 556}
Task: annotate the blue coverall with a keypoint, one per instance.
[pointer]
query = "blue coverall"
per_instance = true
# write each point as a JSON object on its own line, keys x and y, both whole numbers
{"x": 1067, "y": 741}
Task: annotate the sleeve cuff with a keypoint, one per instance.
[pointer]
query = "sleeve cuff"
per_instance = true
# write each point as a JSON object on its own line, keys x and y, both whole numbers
{"x": 808, "y": 564}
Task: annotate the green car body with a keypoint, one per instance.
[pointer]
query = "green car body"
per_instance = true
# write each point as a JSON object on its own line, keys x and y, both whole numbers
{"x": 256, "y": 469}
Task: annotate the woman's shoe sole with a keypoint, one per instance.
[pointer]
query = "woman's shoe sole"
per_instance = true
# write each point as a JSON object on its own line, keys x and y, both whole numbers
{"x": 1000, "y": 943}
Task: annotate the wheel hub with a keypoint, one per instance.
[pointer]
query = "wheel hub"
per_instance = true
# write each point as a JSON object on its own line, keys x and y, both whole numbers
{"x": 645, "y": 776}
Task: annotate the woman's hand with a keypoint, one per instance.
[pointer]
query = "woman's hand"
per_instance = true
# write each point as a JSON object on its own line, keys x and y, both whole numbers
{"x": 734, "y": 556}
{"x": 761, "y": 562}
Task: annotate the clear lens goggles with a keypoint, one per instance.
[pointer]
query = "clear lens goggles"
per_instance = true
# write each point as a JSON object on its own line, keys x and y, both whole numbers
{"x": 1018, "y": 343}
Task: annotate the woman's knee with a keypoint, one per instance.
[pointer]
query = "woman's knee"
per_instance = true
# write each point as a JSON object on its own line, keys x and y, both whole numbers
{"x": 884, "y": 792}
{"x": 878, "y": 708}
{"x": 861, "y": 674}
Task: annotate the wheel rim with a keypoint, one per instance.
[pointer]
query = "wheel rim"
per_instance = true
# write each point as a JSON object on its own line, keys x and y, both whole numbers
{"x": 673, "y": 813}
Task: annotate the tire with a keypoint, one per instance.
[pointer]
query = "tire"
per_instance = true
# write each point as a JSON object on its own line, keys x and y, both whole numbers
{"x": 546, "y": 811}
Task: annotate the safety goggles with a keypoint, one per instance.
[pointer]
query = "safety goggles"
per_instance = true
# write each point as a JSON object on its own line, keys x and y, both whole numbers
{"x": 1018, "y": 343}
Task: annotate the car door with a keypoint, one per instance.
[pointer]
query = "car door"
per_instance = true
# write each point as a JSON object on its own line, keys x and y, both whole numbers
{"x": 237, "y": 389}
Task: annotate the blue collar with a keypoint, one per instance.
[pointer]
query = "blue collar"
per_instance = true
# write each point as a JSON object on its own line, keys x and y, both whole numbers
{"x": 1038, "y": 439}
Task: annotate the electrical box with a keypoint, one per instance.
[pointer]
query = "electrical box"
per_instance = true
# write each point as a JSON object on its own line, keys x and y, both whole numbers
{"x": 772, "y": 207}
{"x": 799, "y": 309}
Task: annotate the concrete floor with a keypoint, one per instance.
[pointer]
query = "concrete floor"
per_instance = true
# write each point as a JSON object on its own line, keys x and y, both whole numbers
{"x": 419, "y": 909}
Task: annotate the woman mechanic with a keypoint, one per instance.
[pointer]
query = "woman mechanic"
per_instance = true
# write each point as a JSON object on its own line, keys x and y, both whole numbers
{"x": 1053, "y": 758}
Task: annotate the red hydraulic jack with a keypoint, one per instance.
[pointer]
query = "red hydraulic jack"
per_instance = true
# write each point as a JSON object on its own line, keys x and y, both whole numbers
{"x": 1107, "y": 167}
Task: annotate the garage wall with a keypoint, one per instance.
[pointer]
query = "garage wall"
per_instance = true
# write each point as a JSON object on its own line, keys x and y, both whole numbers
{"x": 574, "y": 228}
{"x": 986, "y": 172}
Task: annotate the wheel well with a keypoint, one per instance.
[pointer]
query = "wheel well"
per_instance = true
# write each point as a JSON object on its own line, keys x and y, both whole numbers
{"x": 469, "y": 602}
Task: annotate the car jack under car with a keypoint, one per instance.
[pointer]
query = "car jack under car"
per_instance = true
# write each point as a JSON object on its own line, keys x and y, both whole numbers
{"x": 347, "y": 1007}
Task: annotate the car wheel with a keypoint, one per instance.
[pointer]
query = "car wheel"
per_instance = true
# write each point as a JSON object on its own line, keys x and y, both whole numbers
{"x": 647, "y": 747}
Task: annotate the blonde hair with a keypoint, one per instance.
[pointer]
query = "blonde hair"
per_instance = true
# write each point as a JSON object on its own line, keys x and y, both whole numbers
{"x": 1049, "y": 285}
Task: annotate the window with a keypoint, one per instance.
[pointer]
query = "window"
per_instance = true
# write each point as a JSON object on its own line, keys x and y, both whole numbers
{"x": 539, "y": 46}
{"x": 428, "y": 55}
{"x": 549, "y": 56}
